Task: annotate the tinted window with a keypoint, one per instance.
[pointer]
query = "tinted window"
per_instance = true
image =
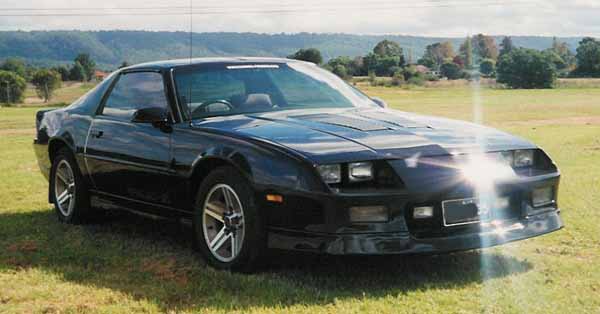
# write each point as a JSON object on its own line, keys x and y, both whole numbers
{"x": 134, "y": 91}
{"x": 88, "y": 103}
{"x": 235, "y": 89}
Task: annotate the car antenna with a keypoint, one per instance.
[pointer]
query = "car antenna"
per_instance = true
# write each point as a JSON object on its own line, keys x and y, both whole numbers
{"x": 189, "y": 98}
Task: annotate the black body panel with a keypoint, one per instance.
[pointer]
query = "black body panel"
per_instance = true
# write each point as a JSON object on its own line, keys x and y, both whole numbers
{"x": 144, "y": 168}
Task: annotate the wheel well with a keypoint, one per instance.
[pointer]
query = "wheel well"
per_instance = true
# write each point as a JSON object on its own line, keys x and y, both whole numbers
{"x": 54, "y": 147}
{"x": 206, "y": 166}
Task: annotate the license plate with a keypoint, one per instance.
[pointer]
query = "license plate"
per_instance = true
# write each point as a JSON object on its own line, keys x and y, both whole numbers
{"x": 463, "y": 212}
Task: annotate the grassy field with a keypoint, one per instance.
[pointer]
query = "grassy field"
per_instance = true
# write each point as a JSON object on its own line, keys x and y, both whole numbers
{"x": 62, "y": 96}
{"x": 135, "y": 265}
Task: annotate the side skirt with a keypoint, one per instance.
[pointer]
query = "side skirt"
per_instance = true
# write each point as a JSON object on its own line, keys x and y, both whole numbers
{"x": 107, "y": 201}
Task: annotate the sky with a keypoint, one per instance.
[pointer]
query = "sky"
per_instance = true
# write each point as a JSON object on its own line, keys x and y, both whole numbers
{"x": 443, "y": 18}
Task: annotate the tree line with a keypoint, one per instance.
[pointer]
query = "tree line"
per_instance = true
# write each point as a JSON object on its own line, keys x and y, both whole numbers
{"x": 15, "y": 74}
{"x": 477, "y": 56}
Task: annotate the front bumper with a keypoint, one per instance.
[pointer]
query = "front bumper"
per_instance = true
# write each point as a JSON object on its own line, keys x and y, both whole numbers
{"x": 405, "y": 243}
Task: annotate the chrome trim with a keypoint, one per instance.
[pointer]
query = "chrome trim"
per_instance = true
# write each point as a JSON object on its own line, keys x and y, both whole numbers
{"x": 179, "y": 109}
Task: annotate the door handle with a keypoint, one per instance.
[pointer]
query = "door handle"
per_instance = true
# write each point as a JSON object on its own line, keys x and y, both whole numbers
{"x": 97, "y": 134}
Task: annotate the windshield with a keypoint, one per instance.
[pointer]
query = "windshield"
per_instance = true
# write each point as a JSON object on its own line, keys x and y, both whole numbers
{"x": 218, "y": 90}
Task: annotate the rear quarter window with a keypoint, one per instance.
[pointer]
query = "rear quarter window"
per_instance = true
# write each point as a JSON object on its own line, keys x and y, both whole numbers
{"x": 89, "y": 102}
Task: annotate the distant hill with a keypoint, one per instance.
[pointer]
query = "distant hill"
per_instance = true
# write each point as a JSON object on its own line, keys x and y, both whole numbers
{"x": 110, "y": 48}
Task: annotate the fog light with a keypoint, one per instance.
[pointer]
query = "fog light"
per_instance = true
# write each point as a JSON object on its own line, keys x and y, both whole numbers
{"x": 542, "y": 196}
{"x": 502, "y": 202}
{"x": 423, "y": 212}
{"x": 369, "y": 214}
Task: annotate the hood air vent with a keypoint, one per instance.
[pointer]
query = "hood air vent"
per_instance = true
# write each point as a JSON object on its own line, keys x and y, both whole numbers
{"x": 348, "y": 122}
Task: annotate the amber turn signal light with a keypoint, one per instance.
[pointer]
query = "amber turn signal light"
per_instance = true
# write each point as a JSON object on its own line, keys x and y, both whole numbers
{"x": 275, "y": 198}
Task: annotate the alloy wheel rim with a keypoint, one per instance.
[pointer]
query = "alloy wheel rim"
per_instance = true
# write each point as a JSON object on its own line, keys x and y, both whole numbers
{"x": 223, "y": 223}
{"x": 64, "y": 188}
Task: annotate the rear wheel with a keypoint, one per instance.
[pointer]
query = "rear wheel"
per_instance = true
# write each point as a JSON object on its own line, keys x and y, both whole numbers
{"x": 227, "y": 224}
{"x": 68, "y": 190}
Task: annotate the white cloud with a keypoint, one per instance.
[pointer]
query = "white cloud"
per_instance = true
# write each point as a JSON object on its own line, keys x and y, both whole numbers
{"x": 428, "y": 17}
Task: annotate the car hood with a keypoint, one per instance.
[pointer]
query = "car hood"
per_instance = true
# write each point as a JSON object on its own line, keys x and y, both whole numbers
{"x": 327, "y": 136}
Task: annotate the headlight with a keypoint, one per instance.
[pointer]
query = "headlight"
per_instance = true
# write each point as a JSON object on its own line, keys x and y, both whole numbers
{"x": 330, "y": 173}
{"x": 523, "y": 158}
{"x": 360, "y": 171}
{"x": 542, "y": 196}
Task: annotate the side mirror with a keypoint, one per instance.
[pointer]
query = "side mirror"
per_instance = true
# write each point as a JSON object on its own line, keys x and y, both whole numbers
{"x": 380, "y": 102}
{"x": 158, "y": 117}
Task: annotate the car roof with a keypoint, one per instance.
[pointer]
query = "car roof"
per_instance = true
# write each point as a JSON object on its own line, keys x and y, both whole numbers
{"x": 166, "y": 64}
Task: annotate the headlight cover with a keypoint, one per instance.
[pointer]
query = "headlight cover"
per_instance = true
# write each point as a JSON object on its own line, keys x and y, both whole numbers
{"x": 331, "y": 174}
{"x": 360, "y": 171}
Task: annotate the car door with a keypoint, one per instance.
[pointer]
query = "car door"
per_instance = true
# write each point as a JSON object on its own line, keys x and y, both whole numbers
{"x": 127, "y": 159}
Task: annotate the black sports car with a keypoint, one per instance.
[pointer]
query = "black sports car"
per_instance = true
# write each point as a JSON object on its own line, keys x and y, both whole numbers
{"x": 262, "y": 153}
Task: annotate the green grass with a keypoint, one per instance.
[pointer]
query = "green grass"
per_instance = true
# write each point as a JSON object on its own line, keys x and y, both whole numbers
{"x": 135, "y": 265}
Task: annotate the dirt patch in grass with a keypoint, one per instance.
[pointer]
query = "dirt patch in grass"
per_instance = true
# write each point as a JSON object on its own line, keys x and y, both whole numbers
{"x": 23, "y": 246}
{"x": 165, "y": 269}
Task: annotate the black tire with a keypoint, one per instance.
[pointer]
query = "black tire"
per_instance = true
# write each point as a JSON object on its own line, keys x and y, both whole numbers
{"x": 253, "y": 245}
{"x": 80, "y": 211}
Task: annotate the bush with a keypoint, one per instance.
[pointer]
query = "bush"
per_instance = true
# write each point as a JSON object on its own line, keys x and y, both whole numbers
{"x": 398, "y": 78}
{"x": 12, "y": 87}
{"x": 451, "y": 70}
{"x": 418, "y": 80}
{"x": 526, "y": 68}
{"x": 487, "y": 67}
{"x": 340, "y": 71}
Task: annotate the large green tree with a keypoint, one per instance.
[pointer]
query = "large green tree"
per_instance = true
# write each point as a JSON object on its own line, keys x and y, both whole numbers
{"x": 63, "y": 71}
{"x": 15, "y": 65}
{"x": 485, "y": 47}
{"x": 310, "y": 55}
{"x": 12, "y": 87}
{"x": 588, "y": 58}
{"x": 46, "y": 82}
{"x": 89, "y": 66}
{"x": 388, "y": 48}
{"x": 436, "y": 54}
{"x": 77, "y": 72}
{"x": 526, "y": 68}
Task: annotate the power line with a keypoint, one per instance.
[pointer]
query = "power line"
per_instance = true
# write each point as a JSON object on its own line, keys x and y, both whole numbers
{"x": 270, "y": 11}
{"x": 278, "y": 5}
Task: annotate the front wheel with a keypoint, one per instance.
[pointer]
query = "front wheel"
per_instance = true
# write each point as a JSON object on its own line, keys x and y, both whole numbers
{"x": 227, "y": 224}
{"x": 68, "y": 189}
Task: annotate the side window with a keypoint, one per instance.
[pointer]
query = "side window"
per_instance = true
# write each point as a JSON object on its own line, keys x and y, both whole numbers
{"x": 135, "y": 91}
